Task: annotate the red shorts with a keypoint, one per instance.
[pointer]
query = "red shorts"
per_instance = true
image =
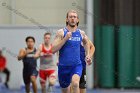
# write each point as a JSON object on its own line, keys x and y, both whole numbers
{"x": 44, "y": 74}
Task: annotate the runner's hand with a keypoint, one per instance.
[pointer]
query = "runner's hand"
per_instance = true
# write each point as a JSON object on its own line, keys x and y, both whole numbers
{"x": 68, "y": 35}
{"x": 88, "y": 60}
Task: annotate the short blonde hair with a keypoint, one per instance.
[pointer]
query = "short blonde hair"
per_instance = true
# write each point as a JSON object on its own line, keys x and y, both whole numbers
{"x": 72, "y": 11}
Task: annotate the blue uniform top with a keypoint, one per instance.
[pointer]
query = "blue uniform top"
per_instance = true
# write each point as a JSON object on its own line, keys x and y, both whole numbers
{"x": 82, "y": 56}
{"x": 29, "y": 61}
{"x": 69, "y": 54}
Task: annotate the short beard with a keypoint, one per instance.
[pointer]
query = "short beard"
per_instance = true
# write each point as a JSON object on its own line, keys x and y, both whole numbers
{"x": 72, "y": 25}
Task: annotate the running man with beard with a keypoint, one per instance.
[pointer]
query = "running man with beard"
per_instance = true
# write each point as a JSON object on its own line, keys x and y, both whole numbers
{"x": 67, "y": 41}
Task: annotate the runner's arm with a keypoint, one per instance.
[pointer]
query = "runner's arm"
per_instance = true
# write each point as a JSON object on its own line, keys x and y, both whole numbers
{"x": 37, "y": 54}
{"x": 59, "y": 41}
{"x": 86, "y": 43}
{"x": 92, "y": 48}
{"x": 22, "y": 54}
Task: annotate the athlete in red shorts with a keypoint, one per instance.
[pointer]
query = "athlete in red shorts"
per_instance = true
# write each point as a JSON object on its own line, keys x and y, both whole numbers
{"x": 47, "y": 65}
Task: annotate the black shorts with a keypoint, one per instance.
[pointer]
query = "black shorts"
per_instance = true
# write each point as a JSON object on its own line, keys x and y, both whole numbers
{"x": 27, "y": 75}
{"x": 82, "y": 83}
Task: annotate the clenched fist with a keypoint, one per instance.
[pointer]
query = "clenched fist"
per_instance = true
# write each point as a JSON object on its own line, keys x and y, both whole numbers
{"x": 68, "y": 35}
{"x": 88, "y": 60}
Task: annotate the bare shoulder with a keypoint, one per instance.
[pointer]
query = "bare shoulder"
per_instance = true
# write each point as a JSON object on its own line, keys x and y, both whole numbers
{"x": 40, "y": 47}
{"x": 83, "y": 33}
{"x": 59, "y": 34}
{"x": 22, "y": 50}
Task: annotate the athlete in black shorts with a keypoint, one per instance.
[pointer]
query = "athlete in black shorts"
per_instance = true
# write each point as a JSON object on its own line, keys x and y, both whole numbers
{"x": 29, "y": 64}
{"x": 82, "y": 83}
